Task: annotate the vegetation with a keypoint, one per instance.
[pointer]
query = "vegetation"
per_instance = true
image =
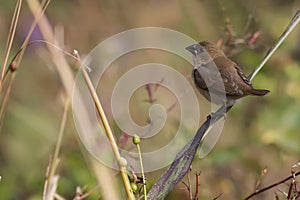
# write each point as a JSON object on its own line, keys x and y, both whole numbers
{"x": 41, "y": 155}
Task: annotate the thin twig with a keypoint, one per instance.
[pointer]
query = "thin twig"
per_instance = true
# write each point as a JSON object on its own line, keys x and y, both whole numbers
{"x": 262, "y": 174}
{"x": 37, "y": 18}
{"x": 55, "y": 160}
{"x": 271, "y": 186}
{"x": 143, "y": 174}
{"x": 62, "y": 66}
{"x": 15, "y": 62}
{"x": 19, "y": 55}
{"x": 85, "y": 195}
{"x": 46, "y": 183}
{"x": 290, "y": 190}
{"x": 186, "y": 185}
{"x": 179, "y": 167}
{"x": 137, "y": 140}
{"x": 149, "y": 92}
{"x": 108, "y": 131}
{"x": 190, "y": 185}
{"x": 5, "y": 99}
{"x": 11, "y": 34}
{"x": 295, "y": 20}
{"x": 197, "y": 185}
{"x": 49, "y": 44}
{"x": 217, "y": 196}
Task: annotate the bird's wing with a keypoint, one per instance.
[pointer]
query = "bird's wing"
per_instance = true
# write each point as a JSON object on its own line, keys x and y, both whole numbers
{"x": 232, "y": 76}
{"x": 242, "y": 75}
{"x": 208, "y": 78}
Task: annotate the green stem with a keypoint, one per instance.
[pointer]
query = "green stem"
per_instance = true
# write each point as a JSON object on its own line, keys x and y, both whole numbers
{"x": 142, "y": 168}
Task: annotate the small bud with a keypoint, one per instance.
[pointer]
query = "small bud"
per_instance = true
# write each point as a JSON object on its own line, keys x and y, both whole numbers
{"x": 13, "y": 66}
{"x": 264, "y": 171}
{"x": 136, "y": 139}
{"x": 134, "y": 187}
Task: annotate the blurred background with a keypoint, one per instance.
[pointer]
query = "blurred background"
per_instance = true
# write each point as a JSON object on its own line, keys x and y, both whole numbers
{"x": 259, "y": 133}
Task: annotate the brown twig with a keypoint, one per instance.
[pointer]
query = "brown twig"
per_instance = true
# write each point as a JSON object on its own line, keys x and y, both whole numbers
{"x": 12, "y": 31}
{"x": 262, "y": 174}
{"x": 183, "y": 159}
{"x": 150, "y": 94}
{"x": 186, "y": 185}
{"x": 85, "y": 195}
{"x": 253, "y": 38}
{"x": 14, "y": 64}
{"x": 189, "y": 185}
{"x": 271, "y": 186}
{"x": 292, "y": 187}
{"x": 179, "y": 167}
{"x": 217, "y": 196}
{"x": 197, "y": 185}
{"x": 5, "y": 100}
{"x": 47, "y": 179}
{"x": 150, "y": 90}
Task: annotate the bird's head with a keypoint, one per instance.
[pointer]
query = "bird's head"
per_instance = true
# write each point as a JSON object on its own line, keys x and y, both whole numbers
{"x": 205, "y": 47}
{"x": 212, "y": 49}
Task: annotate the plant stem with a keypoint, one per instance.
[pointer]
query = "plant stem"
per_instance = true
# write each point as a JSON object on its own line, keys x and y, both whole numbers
{"x": 109, "y": 134}
{"x": 10, "y": 39}
{"x": 286, "y": 32}
{"x": 142, "y": 168}
{"x": 55, "y": 159}
{"x": 271, "y": 186}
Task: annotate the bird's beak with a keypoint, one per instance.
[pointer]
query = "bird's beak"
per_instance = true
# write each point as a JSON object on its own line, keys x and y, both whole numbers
{"x": 192, "y": 49}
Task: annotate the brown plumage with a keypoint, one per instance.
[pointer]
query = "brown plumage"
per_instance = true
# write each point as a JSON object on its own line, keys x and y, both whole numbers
{"x": 219, "y": 79}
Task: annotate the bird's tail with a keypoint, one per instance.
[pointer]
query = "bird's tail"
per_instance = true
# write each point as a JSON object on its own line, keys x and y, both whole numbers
{"x": 259, "y": 92}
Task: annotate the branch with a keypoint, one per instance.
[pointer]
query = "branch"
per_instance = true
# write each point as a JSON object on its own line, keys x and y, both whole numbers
{"x": 295, "y": 20}
{"x": 183, "y": 160}
{"x": 271, "y": 186}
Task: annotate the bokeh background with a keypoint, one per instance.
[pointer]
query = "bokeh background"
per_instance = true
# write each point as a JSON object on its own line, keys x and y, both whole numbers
{"x": 259, "y": 133}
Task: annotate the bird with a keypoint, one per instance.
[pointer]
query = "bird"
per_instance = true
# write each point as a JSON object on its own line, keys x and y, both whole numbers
{"x": 219, "y": 79}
